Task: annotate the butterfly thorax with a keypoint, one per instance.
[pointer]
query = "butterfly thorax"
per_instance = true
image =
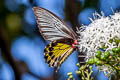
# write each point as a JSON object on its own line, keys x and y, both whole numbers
{"x": 74, "y": 44}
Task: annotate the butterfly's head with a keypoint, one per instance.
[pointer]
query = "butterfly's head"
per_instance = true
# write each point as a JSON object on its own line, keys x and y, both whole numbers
{"x": 74, "y": 44}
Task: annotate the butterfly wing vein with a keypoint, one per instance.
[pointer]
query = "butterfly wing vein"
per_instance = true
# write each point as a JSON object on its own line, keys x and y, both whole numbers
{"x": 51, "y": 26}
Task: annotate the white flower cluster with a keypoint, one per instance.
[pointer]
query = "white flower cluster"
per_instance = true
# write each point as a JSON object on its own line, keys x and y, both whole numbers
{"x": 98, "y": 33}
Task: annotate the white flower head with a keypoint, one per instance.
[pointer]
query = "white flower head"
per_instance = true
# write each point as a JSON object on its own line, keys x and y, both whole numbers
{"x": 98, "y": 33}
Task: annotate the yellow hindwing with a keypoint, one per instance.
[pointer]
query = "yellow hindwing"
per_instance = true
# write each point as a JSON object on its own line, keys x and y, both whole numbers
{"x": 56, "y": 53}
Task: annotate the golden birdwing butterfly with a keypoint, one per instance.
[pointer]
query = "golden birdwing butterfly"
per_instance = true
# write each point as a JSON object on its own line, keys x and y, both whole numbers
{"x": 62, "y": 38}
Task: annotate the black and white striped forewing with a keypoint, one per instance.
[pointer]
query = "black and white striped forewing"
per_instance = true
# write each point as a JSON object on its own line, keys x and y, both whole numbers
{"x": 51, "y": 27}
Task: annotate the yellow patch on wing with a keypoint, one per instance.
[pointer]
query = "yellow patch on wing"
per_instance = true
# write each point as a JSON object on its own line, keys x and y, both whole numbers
{"x": 56, "y": 53}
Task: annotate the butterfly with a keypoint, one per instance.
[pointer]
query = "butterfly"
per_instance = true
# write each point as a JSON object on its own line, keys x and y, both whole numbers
{"x": 62, "y": 38}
